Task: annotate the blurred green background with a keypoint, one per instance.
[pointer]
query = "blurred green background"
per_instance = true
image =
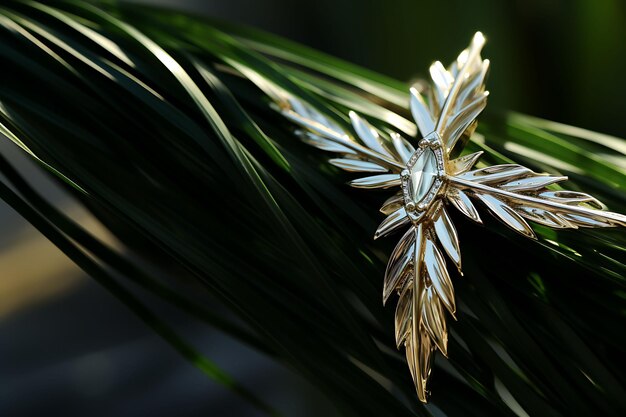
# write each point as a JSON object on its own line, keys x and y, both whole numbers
{"x": 562, "y": 60}
{"x": 555, "y": 59}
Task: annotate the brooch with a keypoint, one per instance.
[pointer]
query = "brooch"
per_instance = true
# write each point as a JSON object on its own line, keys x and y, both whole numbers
{"x": 430, "y": 182}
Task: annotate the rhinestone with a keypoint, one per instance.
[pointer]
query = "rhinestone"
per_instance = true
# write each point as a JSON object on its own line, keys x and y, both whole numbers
{"x": 423, "y": 175}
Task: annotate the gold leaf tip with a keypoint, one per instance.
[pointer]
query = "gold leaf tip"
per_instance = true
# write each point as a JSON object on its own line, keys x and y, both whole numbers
{"x": 479, "y": 38}
{"x": 444, "y": 351}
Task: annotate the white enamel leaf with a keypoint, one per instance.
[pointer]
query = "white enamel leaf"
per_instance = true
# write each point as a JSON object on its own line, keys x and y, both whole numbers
{"x": 474, "y": 85}
{"x": 458, "y": 123}
{"x": 442, "y": 81}
{"x": 308, "y": 112}
{"x": 507, "y": 215}
{"x": 401, "y": 258}
{"x": 397, "y": 275}
{"x": 463, "y": 91}
{"x": 368, "y": 134}
{"x": 497, "y": 174}
{"x": 411, "y": 285}
{"x": 392, "y": 204}
{"x": 570, "y": 197}
{"x": 323, "y": 144}
{"x": 403, "y": 148}
{"x": 531, "y": 183}
{"x": 421, "y": 114}
{"x": 393, "y": 222}
{"x": 546, "y": 218}
{"x": 377, "y": 181}
{"x": 357, "y": 165}
{"x": 447, "y": 236}
{"x": 323, "y": 130}
{"x": 434, "y": 319}
{"x": 419, "y": 354}
{"x": 462, "y": 202}
{"x": 436, "y": 267}
{"x": 589, "y": 221}
{"x": 404, "y": 312}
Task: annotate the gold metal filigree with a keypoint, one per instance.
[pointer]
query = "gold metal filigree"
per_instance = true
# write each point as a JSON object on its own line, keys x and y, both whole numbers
{"x": 430, "y": 181}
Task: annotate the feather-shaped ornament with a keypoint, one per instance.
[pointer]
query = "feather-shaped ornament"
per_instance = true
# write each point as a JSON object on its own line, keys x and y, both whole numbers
{"x": 431, "y": 182}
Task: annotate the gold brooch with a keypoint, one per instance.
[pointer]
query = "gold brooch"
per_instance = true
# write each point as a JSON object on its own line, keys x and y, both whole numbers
{"x": 430, "y": 181}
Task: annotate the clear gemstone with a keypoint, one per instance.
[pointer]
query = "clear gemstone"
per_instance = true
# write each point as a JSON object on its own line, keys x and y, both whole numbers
{"x": 423, "y": 174}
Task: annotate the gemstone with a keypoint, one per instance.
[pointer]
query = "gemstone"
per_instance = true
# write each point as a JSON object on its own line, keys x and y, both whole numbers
{"x": 422, "y": 175}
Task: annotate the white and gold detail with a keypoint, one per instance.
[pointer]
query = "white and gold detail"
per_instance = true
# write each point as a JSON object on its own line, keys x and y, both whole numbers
{"x": 429, "y": 182}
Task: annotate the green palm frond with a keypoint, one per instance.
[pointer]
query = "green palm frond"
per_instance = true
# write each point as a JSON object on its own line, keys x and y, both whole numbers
{"x": 149, "y": 118}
